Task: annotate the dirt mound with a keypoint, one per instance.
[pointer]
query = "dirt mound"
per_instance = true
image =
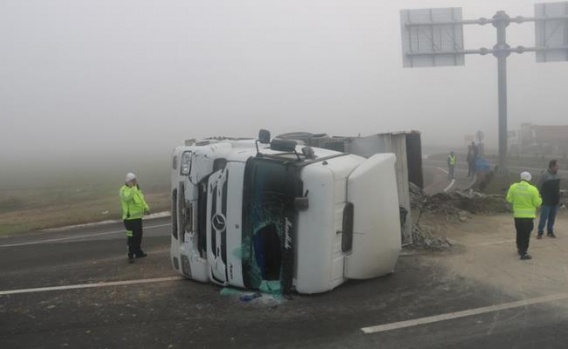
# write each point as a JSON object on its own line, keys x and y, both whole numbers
{"x": 472, "y": 202}
{"x": 456, "y": 206}
{"x": 452, "y": 204}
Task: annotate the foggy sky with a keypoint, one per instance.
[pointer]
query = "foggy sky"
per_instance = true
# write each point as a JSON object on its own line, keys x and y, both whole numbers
{"x": 108, "y": 78}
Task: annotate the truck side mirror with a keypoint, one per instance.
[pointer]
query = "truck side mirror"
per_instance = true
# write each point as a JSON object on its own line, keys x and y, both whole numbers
{"x": 264, "y": 136}
{"x": 308, "y": 152}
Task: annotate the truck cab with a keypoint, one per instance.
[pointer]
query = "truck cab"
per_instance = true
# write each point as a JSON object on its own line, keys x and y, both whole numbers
{"x": 277, "y": 216}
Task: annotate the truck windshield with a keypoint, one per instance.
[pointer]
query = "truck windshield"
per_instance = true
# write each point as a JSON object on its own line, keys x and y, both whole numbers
{"x": 269, "y": 224}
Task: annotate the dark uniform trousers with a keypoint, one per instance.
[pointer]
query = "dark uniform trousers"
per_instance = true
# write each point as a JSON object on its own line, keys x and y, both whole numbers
{"x": 134, "y": 236}
{"x": 524, "y": 226}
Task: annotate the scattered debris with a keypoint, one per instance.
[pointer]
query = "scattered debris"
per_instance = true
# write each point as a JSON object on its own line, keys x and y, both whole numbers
{"x": 422, "y": 238}
{"x": 416, "y": 195}
{"x": 262, "y": 297}
{"x": 249, "y": 297}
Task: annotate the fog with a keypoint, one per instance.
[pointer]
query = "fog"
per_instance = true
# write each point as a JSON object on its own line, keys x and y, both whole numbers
{"x": 106, "y": 79}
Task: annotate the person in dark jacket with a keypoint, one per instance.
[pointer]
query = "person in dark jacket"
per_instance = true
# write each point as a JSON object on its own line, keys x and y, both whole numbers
{"x": 472, "y": 153}
{"x": 469, "y": 159}
{"x": 549, "y": 186}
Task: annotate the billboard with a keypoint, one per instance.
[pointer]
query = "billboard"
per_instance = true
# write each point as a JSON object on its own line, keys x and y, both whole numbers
{"x": 551, "y": 30}
{"x": 432, "y": 37}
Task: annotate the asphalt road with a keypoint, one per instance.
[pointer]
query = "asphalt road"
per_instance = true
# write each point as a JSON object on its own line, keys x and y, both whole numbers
{"x": 440, "y": 181}
{"x": 423, "y": 304}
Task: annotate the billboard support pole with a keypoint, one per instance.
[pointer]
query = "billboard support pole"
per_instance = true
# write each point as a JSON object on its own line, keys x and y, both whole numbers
{"x": 502, "y": 51}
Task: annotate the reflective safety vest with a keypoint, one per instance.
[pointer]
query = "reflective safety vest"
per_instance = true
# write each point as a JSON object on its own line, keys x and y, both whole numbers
{"x": 451, "y": 159}
{"x": 132, "y": 202}
{"x": 525, "y": 199}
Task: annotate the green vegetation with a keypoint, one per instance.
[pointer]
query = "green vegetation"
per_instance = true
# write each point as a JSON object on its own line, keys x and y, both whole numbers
{"x": 81, "y": 194}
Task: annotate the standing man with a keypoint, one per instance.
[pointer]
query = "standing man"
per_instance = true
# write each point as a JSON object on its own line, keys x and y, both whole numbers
{"x": 472, "y": 154}
{"x": 525, "y": 199}
{"x": 451, "y": 165}
{"x": 133, "y": 208}
{"x": 474, "y": 150}
{"x": 469, "y": 159}
{"x": 549, "y": 186}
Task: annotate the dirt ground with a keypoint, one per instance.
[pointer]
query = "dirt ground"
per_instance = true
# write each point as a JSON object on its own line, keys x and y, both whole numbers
{"x": 484, "y": 250}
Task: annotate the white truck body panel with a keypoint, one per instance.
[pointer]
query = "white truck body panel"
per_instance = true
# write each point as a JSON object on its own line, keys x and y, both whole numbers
{"x": 376, "y": 230}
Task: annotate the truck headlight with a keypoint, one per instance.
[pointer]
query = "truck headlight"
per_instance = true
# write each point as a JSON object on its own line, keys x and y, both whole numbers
{"x": 186, "y": 163}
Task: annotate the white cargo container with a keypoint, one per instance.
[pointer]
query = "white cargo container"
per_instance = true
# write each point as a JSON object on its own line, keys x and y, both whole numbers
{"x": 282, "y": 217}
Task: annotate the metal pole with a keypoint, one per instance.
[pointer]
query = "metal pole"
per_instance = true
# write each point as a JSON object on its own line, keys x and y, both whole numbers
{"x": 501, "y": 21}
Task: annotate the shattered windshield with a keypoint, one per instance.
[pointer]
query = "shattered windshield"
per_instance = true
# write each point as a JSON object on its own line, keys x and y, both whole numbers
{"x": 268, "y": 224}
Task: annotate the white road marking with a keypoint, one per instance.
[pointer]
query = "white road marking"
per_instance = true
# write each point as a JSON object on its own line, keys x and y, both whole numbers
{"x": 473, "y": 180}
{"x": 79, "y": 236}
{"x": 464, "y": 313}
{"x": 441, "y": 169}
{"x": 68, "y": 227}
{"x": 99, "y": 284}
{"x": 451, "y": 183}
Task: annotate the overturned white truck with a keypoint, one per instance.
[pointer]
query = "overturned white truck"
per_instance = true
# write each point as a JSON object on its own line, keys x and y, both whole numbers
{"x": 280, "y": 216}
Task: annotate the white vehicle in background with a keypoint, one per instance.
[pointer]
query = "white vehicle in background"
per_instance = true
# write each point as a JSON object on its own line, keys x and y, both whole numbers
{"x": 281, "y": 217}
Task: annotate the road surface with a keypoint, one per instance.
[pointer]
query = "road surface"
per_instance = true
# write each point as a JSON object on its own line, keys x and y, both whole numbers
{"x": 75, "y": 289}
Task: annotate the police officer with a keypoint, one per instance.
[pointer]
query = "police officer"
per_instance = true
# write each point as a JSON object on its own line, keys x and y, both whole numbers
{"x": 133, "y": 208}
{"x": 451, "y": 165}
{"x": 525, "y": 199}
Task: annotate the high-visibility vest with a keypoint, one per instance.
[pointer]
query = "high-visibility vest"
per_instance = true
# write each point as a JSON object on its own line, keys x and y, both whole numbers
{"x": 132, "y": 202}
{"x": 452, "y": 159}
{"x": 525, "y": 199}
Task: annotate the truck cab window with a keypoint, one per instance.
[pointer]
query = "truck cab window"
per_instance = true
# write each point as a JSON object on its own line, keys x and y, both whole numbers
{"x": 268, "y": 202}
